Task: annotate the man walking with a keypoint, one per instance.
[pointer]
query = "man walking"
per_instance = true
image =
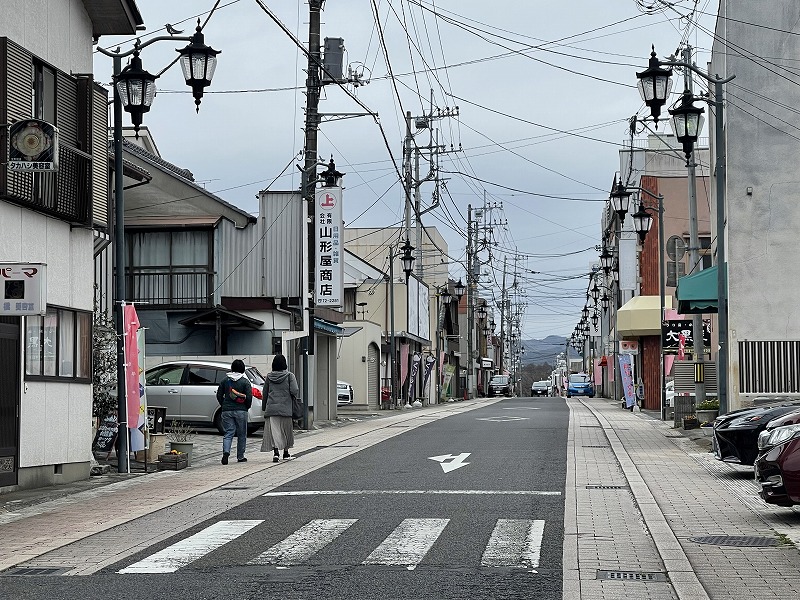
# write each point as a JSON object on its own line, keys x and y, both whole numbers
{"x": 235, "y": 396}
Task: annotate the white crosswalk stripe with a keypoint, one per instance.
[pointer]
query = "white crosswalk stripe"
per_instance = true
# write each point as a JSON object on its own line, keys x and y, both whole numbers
{"x": 186, "y": 551}
{"x": 408, "y": 544}
{"x": 514, "y": 542}
{"x": 303, "y": 543}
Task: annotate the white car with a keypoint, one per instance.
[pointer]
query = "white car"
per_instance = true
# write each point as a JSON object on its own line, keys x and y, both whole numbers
{"x": 344, "y": 393}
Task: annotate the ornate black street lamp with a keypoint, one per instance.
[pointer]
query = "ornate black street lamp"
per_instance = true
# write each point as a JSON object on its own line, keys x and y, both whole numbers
{"x": 687, "y": 121}
{"x": 642, "y": 222}
{"x": 606, "y": 260}
{"x": 198, "y": 63}
{"x": 655, "y": 85}
{"x": 459, "y": 289}
{"x": 136, "y": 89}
{"x": 620, "y": 199}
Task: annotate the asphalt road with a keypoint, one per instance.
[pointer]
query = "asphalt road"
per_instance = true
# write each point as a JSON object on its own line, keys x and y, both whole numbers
{"x": 470, "y": 506}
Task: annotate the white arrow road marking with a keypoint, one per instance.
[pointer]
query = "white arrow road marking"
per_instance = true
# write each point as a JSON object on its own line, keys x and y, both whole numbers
{"x": 408, "y": 544}
{"x": 514, "y": 543}
{"x": 450, "y": 462}
{"x": 172, "y": 558}
{"x": 303, "y": 543}
{"x": 502, "y": 419}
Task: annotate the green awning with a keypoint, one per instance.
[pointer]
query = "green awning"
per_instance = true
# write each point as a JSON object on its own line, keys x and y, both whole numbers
{"x": 697, "y": 294}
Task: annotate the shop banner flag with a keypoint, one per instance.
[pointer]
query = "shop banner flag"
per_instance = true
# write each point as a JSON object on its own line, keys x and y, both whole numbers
{"x": 131, "y": 359}
{"x": 414, "y": 368}
{"x": 626, "y": 370}
{"x": 429, "y": 362}
{"x": 140, "y": 440}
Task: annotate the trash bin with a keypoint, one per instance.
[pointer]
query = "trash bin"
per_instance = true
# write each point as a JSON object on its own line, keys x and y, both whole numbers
{"x": 156, "y": 415}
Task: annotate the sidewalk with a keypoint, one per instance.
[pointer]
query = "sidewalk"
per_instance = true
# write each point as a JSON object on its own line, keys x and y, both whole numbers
{"x": 640, "y": 499}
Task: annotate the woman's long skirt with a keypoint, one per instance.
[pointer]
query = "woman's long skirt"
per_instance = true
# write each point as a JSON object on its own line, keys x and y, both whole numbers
{"x": 278, "y": 433}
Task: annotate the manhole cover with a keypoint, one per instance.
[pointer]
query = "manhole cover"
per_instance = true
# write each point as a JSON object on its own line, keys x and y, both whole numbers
{"x": 34, "y": 571}
{"x": 736, "y": 540}
{"x": 643, "y": 576}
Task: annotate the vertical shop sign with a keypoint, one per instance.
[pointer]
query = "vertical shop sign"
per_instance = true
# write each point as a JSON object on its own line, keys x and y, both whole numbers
{"x": 329, "y": 260}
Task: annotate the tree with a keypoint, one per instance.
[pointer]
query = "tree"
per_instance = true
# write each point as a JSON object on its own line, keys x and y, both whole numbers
{"x": 104, "y": 364}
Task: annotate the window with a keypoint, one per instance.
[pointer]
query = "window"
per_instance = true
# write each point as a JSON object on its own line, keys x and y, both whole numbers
{"x": 205, "y": 376}
{"x": 44, "y": 92}
{"x": 59, "y": 345}
{"x": 169, "y": 375}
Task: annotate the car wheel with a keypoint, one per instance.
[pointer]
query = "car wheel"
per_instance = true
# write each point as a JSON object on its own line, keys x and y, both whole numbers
{"x": 218, "y": 422}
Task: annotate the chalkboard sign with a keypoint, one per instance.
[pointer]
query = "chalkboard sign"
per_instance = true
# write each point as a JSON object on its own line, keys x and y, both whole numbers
{"x": 106, "y": 435}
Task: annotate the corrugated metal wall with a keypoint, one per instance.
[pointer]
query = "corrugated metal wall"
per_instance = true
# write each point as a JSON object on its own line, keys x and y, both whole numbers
{"x": 237, "y": 261}
{"x": 281, "y": 223}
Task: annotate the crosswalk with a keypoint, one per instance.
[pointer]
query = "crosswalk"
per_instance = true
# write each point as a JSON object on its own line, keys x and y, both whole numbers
{"x": 512, "y": 543}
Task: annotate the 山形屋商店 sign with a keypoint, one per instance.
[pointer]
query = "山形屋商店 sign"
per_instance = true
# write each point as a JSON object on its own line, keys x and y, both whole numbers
{"x": 328, "y": 258}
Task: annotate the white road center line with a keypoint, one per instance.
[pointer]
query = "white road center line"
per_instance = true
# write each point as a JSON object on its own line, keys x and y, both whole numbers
{"x": 514, "y": 543}
{"x": 186, "y": 551}
{"x": 389, "y": 492}
{"x": 408, "y": 544}
{"x": 304, "y": 543}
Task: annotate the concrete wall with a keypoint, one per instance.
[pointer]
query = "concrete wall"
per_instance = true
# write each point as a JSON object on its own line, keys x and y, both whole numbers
{"x": 763, "y": 185}
{"x": 57, "y": 31}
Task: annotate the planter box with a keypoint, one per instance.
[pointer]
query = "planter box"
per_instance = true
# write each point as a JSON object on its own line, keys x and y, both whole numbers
{"x": 172, "y": 462}
{"x": 706, "y": 416}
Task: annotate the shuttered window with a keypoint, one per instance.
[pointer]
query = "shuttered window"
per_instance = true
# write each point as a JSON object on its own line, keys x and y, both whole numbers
{"x": 769, "y": 367}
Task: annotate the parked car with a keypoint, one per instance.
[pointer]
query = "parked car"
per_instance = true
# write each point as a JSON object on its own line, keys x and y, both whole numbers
{"x": 188, "y": 389}
{"x": 735, "y": 437}
{"x": 344, "y": 393}
{"x": 500, "y": 385}
{"x": 540, "y": 388}
{"x": 580, "y": 385}
{"x": 777, "y": 466}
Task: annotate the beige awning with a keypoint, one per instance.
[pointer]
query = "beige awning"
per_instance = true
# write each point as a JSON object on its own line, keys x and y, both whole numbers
{"x": 640, "y": 316}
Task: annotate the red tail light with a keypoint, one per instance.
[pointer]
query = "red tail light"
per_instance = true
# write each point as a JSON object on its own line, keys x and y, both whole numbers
{"x": 257, "y": 393}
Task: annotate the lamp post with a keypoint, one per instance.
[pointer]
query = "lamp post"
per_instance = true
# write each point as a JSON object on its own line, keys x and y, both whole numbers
{"x": 654, "y": 82}
{"x": 134, "y": 90}
{"x": 404, "y": 252}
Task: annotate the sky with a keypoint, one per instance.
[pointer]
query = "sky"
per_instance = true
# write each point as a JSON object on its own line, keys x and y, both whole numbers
{"x": 544, "y": 92}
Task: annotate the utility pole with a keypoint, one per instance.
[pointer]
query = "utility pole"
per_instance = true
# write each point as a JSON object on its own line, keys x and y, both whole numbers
{"x": 694, "y": 250}
{"x": 503, "y": 316}
{"x": 308, "y": 186}
{"x": 470, "y": 300}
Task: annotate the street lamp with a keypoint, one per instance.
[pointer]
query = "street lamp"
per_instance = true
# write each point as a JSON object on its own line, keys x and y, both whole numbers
{"x": 198, "y": 63}
{"x": 606, "y": 260}
{"x": 647, "y": 80}
{"x": 459, "y": 289}
{"x": 620, "y": 199}
{"x": 687, "y": 121}
{"x": 655, "y": 85}
{"x": 408, "y": 260}
{"x": 134, "y": 89}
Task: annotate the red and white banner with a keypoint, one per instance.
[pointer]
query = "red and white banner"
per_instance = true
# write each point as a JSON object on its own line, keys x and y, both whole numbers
{"x": 134, "y": 388}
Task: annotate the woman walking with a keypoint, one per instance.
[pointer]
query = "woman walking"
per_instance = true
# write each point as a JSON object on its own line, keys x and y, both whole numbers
{"x": 281, "y": 393}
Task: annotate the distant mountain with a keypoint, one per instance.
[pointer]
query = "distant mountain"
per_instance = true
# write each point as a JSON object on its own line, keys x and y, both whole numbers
{"x": 544, "y": 351}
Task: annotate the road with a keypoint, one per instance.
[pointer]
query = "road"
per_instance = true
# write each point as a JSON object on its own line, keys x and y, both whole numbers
{"x": 467, "y": 506}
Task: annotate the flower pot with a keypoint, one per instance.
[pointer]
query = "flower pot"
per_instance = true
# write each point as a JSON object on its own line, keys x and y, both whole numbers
{"x": 706, "y": 416}
{"x": 185, "y": 447}
{"x": 691, "y": 423}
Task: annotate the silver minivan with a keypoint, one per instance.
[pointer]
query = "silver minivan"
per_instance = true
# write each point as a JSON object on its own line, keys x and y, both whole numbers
{"x": 188, "y": 390}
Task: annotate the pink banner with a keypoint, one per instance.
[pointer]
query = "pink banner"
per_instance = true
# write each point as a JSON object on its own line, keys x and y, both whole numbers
{"x": 131, "y": 358}
{"x": 404, "y": 350}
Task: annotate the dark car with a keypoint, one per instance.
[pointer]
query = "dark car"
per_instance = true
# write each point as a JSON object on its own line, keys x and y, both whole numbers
{"x": 580, "y": 385}
{"x": 777, "y": 467}
{"x": 499, "y": 385}
{"x": 540, "y": 388}
{"x": 736, "y": 434}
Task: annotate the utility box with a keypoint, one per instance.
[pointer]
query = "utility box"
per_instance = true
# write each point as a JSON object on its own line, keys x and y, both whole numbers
{"x": 156, "y": 415}
{"x": 333, "y": 60}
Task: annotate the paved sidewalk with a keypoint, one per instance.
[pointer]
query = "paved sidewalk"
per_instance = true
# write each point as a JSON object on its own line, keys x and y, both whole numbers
{"x": 639, "y": 494}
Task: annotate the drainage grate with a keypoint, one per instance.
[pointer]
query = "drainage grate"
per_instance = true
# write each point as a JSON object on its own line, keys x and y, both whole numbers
{"x": 592, "y": 426}
{"x": 599, "y": 486}
{"x": 34, "y": 571}
{"x": 743, "y": 541}
{"x": 232, "y": 488}
{"x": 643, "y": 576}
{"x": 596, "y": 446}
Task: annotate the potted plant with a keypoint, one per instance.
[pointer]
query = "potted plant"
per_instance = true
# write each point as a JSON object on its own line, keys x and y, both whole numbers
{"x": 180, "y": 436}
{"x": 691, "y": 422}
{"x": 707, "y": 411}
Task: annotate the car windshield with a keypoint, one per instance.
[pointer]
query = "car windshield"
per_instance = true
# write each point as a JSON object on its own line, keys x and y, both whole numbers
{"x": 579, "y": 378}
{"x": 499, "y": 379}
{"x": 540, "y": 384}
{"x": 254, "y": 376}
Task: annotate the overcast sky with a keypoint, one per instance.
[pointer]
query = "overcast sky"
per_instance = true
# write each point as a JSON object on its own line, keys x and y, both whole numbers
{"x": 544, "y": 91}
